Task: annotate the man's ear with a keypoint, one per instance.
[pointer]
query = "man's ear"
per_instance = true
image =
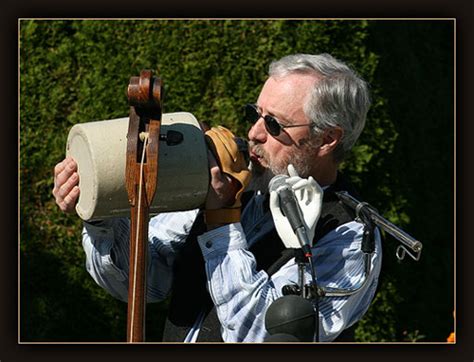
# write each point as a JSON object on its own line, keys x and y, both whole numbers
{"x": 331, "y": 138}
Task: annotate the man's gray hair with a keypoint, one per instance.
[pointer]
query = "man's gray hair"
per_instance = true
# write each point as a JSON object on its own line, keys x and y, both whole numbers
{"x": 339, "y": 99}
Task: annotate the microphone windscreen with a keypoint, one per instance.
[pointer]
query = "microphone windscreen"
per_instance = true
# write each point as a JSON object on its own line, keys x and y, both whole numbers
{"x": 293, "y": 315}
{"x": 281, "y": 337}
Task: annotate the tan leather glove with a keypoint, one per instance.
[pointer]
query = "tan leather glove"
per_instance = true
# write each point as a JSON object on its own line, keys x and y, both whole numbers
{"x": 232, "y": 162}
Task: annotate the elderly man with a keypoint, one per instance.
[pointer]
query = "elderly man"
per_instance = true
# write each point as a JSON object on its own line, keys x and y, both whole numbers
{"x": 223, "y": 269}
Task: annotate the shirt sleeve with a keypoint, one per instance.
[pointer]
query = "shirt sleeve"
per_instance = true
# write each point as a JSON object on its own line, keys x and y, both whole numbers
{"x": 340, "y": 264}
{"x": 242, "y": 294}
{"x": 106, "y": 246}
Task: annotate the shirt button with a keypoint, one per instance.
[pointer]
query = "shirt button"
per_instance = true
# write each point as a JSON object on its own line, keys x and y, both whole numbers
{"x": 208, "y": 244}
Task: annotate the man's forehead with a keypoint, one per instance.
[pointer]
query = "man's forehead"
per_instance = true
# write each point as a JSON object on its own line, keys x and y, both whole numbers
{"x": 288, "y": 89}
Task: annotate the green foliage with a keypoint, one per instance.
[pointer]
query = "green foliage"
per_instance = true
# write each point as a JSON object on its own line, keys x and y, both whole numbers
{"x": 416, "y": 74}
{"x": 379, "y": 323}
{"x": 78, "y": 71}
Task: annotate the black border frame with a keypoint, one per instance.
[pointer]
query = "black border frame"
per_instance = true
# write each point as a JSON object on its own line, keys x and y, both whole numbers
{"x": 462, "y": 11}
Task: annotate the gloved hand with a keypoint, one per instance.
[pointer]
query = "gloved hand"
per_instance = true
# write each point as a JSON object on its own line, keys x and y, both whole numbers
{"x": 221, "y": 142}
{"x": 309, "y": 196}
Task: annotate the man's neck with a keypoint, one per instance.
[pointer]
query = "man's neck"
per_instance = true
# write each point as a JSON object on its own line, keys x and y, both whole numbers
{"x": 326, "y": 175}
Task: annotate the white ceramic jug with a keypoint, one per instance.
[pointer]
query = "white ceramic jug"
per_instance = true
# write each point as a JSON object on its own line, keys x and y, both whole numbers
{"x": 99, "y": 149}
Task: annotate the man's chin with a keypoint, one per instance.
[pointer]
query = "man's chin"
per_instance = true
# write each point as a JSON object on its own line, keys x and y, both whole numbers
{"x": 256, "y": 168}
{"x": 261, "y": 177}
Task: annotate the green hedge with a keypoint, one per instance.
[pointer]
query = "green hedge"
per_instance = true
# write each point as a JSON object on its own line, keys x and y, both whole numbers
{"x": 78, "y": 71}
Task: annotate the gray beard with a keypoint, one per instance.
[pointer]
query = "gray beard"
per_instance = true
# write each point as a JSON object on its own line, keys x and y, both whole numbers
{"x": 260, "y": 179}
{"x": 300, "y": 158}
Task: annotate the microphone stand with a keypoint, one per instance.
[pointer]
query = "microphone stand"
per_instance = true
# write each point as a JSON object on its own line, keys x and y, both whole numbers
{"x": 304, "y": 257}
{"x": 369, "y": 214}
{"x": 366, "y": 215}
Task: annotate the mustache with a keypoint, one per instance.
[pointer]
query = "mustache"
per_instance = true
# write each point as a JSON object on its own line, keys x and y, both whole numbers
{"x": 257, "y": 149}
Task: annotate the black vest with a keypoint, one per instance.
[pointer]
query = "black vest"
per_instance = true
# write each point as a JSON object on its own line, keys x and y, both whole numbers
{"x": 190, "y": 295}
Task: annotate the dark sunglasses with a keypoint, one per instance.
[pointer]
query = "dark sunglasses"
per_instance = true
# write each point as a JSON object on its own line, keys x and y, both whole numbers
{"x": 272, "y": 126}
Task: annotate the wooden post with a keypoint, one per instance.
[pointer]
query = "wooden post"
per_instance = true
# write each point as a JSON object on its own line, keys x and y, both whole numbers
{"x": 141, "y": 173}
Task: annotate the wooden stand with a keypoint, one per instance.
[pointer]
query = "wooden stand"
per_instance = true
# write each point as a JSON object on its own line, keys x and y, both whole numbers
{"x": 141, "y": 174}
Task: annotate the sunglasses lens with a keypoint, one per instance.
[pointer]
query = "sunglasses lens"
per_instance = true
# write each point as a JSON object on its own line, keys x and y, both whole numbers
{"x": 251, "y": 113}
{"x": 272, "y": 126}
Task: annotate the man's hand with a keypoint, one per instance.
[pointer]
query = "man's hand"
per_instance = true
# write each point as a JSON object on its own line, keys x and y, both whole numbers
{"x": 309, "y": 196}
{"x": 229, "y": 177}
{"x": 223, "y": 188}
{"x": 66, "y": 189}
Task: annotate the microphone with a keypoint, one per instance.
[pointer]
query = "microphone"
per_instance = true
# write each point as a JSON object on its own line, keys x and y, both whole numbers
{"x": 290, "y": 318}
{"x": 289, "y": 207}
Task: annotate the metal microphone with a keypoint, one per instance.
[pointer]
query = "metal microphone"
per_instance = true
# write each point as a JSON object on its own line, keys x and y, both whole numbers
{"x": 290, "y": 208}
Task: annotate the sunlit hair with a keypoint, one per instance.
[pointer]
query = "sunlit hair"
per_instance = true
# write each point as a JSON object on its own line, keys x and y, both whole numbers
{"x": 340, "y": 98}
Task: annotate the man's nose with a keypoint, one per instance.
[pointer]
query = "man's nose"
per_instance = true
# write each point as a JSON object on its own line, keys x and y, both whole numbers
{"x": 257, "y": 132}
